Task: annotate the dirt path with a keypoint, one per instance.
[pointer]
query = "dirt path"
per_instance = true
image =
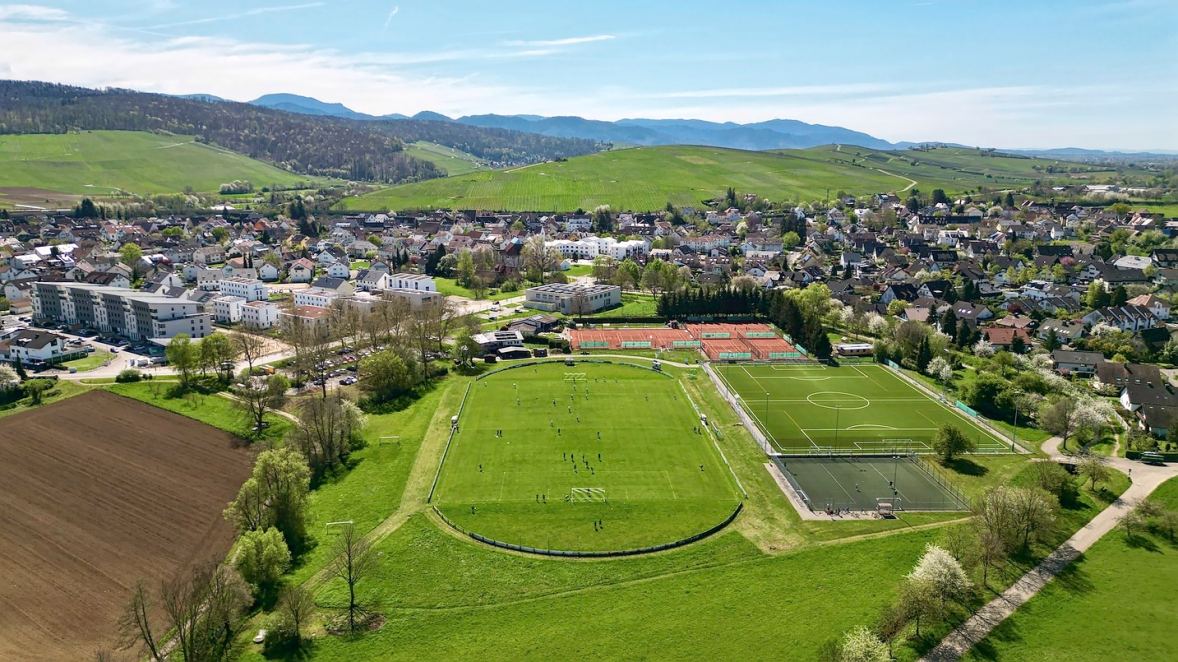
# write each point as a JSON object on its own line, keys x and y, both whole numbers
{"x": 1145, "y": 479}
{"x": 906, "y": 188}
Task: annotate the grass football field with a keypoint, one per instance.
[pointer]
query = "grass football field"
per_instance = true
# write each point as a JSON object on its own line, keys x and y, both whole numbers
{"x": 614, "y": 460}
{"x": 861, "y": 408}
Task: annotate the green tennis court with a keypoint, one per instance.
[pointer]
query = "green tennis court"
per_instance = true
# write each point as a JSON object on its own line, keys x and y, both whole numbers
{"x": 862, "y": 408}
{"x": 862, "y": 483}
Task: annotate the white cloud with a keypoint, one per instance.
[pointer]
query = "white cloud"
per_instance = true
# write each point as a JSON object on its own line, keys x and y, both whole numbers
{"x": 570, "y": 41}
{"x": 393, "y": 13}
{"x": 245, "y": 14}
{"x": 32, "y": 13}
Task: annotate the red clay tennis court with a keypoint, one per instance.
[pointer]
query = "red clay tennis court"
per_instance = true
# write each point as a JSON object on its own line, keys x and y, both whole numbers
{"x": 748, "y": 342}
{"x": 653, "y": 338}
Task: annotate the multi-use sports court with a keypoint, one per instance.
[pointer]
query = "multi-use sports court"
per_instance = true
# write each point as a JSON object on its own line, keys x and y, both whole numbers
{"x": 870, "y": 483}
{"x": 862, "y": 408}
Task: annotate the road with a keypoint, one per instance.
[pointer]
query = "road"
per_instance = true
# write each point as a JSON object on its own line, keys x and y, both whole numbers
{"x": 1146, "y": 478}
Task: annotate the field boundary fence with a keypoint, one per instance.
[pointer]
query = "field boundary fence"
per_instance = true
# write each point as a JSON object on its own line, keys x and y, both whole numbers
{"x": 716, "y": 434}
{"x": 940, "y": 477}
{"x": 754, "y": 429}
{"x": 591, "y": 554}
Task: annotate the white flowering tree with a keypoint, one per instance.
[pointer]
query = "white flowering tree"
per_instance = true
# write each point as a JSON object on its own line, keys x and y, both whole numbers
{"x": 877, "y": 325}
{"x": 983, "y": 349}
{"x": 862, "y": 645}
{"x": 940, "y": 370}
{"x": 940, "y": 576}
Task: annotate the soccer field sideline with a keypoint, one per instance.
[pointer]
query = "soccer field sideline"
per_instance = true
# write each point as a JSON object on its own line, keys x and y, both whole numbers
{"x": 808, "y": 422}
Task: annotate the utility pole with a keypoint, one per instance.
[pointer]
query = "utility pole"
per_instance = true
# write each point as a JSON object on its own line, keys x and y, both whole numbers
{"x": 837, "y": 409}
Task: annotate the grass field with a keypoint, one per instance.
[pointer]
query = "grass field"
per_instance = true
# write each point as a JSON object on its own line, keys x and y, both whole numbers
{"x": 1125, "y": 586}
{"x": 860, "y": 407}
{"x": 455, "y": 162}
{"x": 89, "y": 362}
{"x": 648, "y": 479}
{"x": 632, "y": 179}
{"x": 645, "y": 179}
{"x": 101, "y": 163}
{"x": 449, "y": 287}
{"x": 211, "y": 409}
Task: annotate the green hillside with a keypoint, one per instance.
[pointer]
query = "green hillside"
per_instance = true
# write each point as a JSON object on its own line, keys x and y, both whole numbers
{"x": 641, "y": 179}
{"x": 99, "y": 163}
{"x": 958, "y": 169}
{"x": 455, "y": 162}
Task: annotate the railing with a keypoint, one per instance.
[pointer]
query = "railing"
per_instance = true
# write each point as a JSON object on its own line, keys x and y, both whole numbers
{"x": 940, "y": 477}
{"x": 446, "y": 451}
{"x": 591, "y": 554}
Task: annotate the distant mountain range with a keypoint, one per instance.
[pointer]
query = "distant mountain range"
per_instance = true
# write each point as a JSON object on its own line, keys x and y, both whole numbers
{"x": 774, "y": 134}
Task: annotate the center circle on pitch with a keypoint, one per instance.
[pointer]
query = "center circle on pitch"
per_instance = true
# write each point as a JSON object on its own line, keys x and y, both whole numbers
{"x": 838, "y": 400}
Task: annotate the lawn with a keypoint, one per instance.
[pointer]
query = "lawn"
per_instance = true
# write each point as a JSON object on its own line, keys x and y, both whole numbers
{"x": 450, "y": 287}
{"x": 213, "y": 409}
{"x": 61, "y": 390}
{"x": 99, "y": 163}
{"x": 633, "y": 305}
{"x": 89, "y": 362}
{"x": 646, "y": 480}
{"x": 859, "y": 407}
{"x": 1125, "y": 586}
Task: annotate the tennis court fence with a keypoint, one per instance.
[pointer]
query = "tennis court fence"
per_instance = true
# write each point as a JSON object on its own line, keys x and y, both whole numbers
{"x": 940, "y": 477}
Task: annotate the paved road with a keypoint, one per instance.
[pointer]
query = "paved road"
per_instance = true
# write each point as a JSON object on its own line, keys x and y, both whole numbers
{"x": 1146, "y": 479}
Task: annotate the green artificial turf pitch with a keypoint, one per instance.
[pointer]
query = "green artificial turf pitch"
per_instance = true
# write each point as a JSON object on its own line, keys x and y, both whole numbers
{"x": 861, "y": 483}
{"x": 863, "y": 408}
{"x": 649, "y": 479}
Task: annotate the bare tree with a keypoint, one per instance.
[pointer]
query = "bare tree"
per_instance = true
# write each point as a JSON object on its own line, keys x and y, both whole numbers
{"x": 250, "y": 346}
{"x": 257, "y": 396}
{"x": 327, "y": 429}
{"x": 354, "y": 561}
{"x": 311, "y": 342}
{"x": 202, "y": 610}
{"x": 579, "y": 304}
{"x": 345, "y": 321}
{"x": 539, "y": 259}
{"x": 135, "y": 630}
{"x": 428, "y": 329}
{"x": 296, "y": 605}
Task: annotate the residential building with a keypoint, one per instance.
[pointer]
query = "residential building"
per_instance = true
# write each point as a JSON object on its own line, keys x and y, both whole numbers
{"x": 316, "y": 297}
{"x": 259, "y": 314}
{"x": 246, "y": 288}
{"x": 416, "y": 282}
{"x": 133, "y": 314}
{"x": 227, "y": 309}
{"x": 1076, "y": 363}
{"x": 37, "y": 347}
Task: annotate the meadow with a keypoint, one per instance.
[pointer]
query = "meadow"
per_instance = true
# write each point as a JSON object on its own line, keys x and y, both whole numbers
{"x": 543, "y": 461}
{"x": 638, "y": 179}
{"x": 455, "y": 162}
{"x": 103, "y": 163}
{"x": 864, "y": 408}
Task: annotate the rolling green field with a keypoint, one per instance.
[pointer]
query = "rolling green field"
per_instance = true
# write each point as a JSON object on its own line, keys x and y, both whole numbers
{"x": 101, "y": 163}
{"x": 647, "y": 479}
{"x": 644, "y": 179}
{"x": 632, "y": 179}
{"x": 455, "y": 162}
{"x": 860, "y": 407}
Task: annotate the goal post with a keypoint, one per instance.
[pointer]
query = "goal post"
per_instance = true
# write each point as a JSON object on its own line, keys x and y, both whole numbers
{"x": 574, "y": 377}
{"x": 588, "y": 495}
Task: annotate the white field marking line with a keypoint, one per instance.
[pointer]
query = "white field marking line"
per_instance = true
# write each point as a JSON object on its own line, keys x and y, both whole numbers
{"x": 800, "y": 429}
{"x": 837, "y": 482}
{"x": 817, "y": 368}
{"x": 868, "y": 376}
{"x": 869, "y": 426}
{"x": 898, "y": 492}
{"x": 672, "y": 484}
{"x": 758, "y": 383}
{"x": 883, "y": 442}
{"x": 765, "y": 428}
{"x": 885, "y": 428}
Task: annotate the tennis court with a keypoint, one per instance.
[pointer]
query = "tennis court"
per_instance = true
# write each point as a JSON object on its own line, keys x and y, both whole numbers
{"x": 862, "y": 484}
{"x": 858, "y": 408}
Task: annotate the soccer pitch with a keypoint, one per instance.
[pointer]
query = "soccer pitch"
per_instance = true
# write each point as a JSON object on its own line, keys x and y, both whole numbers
{"x": 612, "y": 461}
{"x": 861, "y": 408}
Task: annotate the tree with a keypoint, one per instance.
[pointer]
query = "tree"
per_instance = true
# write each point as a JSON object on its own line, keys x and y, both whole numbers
{"x": 629, "y": 273}
{"x": 1096, "y": 297}
{"x": 135, "y": 629}
{"x": 218, "y": 352}
{"x": 862, "y": 645}
{"x": 939, "y": 197}
{"x": 940, "y": 370}
{"x": 1033, "y": 514}
{"x": 258, "y": 396}
{"x": 539, "y": 259}
{"x": 950, "y": 441}
{"x": 202, "y": 613}
{"x": 790, "y": 240}
{"x": 1059, "y": 417}
{"x": 387, "y": 376}
{"x": 183, "y": 356}
{"x": 275, "y": 495}
{"x": 465, "y": 346}
{"x": 36, "y": 389}
{"x": 602, "y": 219}
{"x": 19, "y": 367}
{"x": 605, "y": 267}
{"x": 478, "y": 287}
{"x": 354, "y": 560}
{"x": 983, "y": 349}
{"x": 262, "y": 557}
{"x": 1093, "y": 469}
{"x": 130, "y": 254}
{"x": 249, "y": 346}
{"x": 1120, "y": 296}
{"x": 327, "y": 430}
{"x": 8, "y": 378}
{"x": 939, "y": 575}
{"x": 1051, "y": 342}
{"x": 295, "y": 607}
{"x": 465, "y": 268}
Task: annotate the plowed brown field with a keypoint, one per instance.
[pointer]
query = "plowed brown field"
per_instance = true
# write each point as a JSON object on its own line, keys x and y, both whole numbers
{"x": 97, "y": 492}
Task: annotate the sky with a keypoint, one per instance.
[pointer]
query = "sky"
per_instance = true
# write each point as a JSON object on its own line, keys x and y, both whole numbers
{"x": 1099, "y": 74}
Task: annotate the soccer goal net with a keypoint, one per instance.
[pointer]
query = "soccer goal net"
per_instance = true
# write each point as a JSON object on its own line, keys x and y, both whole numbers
{"x": 574, "y": 377}
{"x": 587, "y": 494}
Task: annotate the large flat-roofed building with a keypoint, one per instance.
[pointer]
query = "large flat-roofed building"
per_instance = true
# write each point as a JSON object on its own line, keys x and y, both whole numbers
{"x": 129, "y": 313}
{"x": 416, "y": 282}
{"x": 259, "y": 314}
{"x": 573, "y": 299}
{"x": 250, "y": 289}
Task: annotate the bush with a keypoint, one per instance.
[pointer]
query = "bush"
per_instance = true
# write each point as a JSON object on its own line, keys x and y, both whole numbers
{"x": 129, "y": 376}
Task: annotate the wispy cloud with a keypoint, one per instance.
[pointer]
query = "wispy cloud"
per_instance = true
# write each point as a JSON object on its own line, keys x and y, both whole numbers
{"x": 570, "y": 41}
{"x": 32, "y": 13}
{"x": 245, "y": 14}
{"x": 389, "y": 20}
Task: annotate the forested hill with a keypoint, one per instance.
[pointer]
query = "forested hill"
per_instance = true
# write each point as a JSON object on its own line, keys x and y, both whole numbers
{"x": 324, "y": 146}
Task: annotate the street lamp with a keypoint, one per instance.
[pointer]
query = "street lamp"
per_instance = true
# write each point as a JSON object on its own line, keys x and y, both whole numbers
{"x": 766, "y": 410}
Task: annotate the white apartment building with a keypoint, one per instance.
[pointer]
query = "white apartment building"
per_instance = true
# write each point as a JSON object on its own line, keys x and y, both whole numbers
{"x": 416, "y": 282}
{"x": 250, "y": 289}
{"x": 259, "y": 314}
{"x": 588, "y": 248}
{"x": 227, "y": 309}
{"x": 316, "y": 297}
{"x": 130, "y": 313}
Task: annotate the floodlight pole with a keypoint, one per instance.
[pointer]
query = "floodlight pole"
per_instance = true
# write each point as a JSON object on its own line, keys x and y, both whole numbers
{"x": 766, "y": 410}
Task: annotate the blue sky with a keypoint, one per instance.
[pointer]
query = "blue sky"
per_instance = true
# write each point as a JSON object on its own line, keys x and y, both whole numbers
{"x": 1033, "y": 73}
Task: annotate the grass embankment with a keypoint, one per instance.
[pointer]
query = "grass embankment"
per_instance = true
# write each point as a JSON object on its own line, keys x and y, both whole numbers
{"x": 61, "y": 390}
{"x": 1124, "y": 585}
{"x": 89, "y": 362}
{"x": 99, "y": 163}
{"x": 211, "y": 408}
